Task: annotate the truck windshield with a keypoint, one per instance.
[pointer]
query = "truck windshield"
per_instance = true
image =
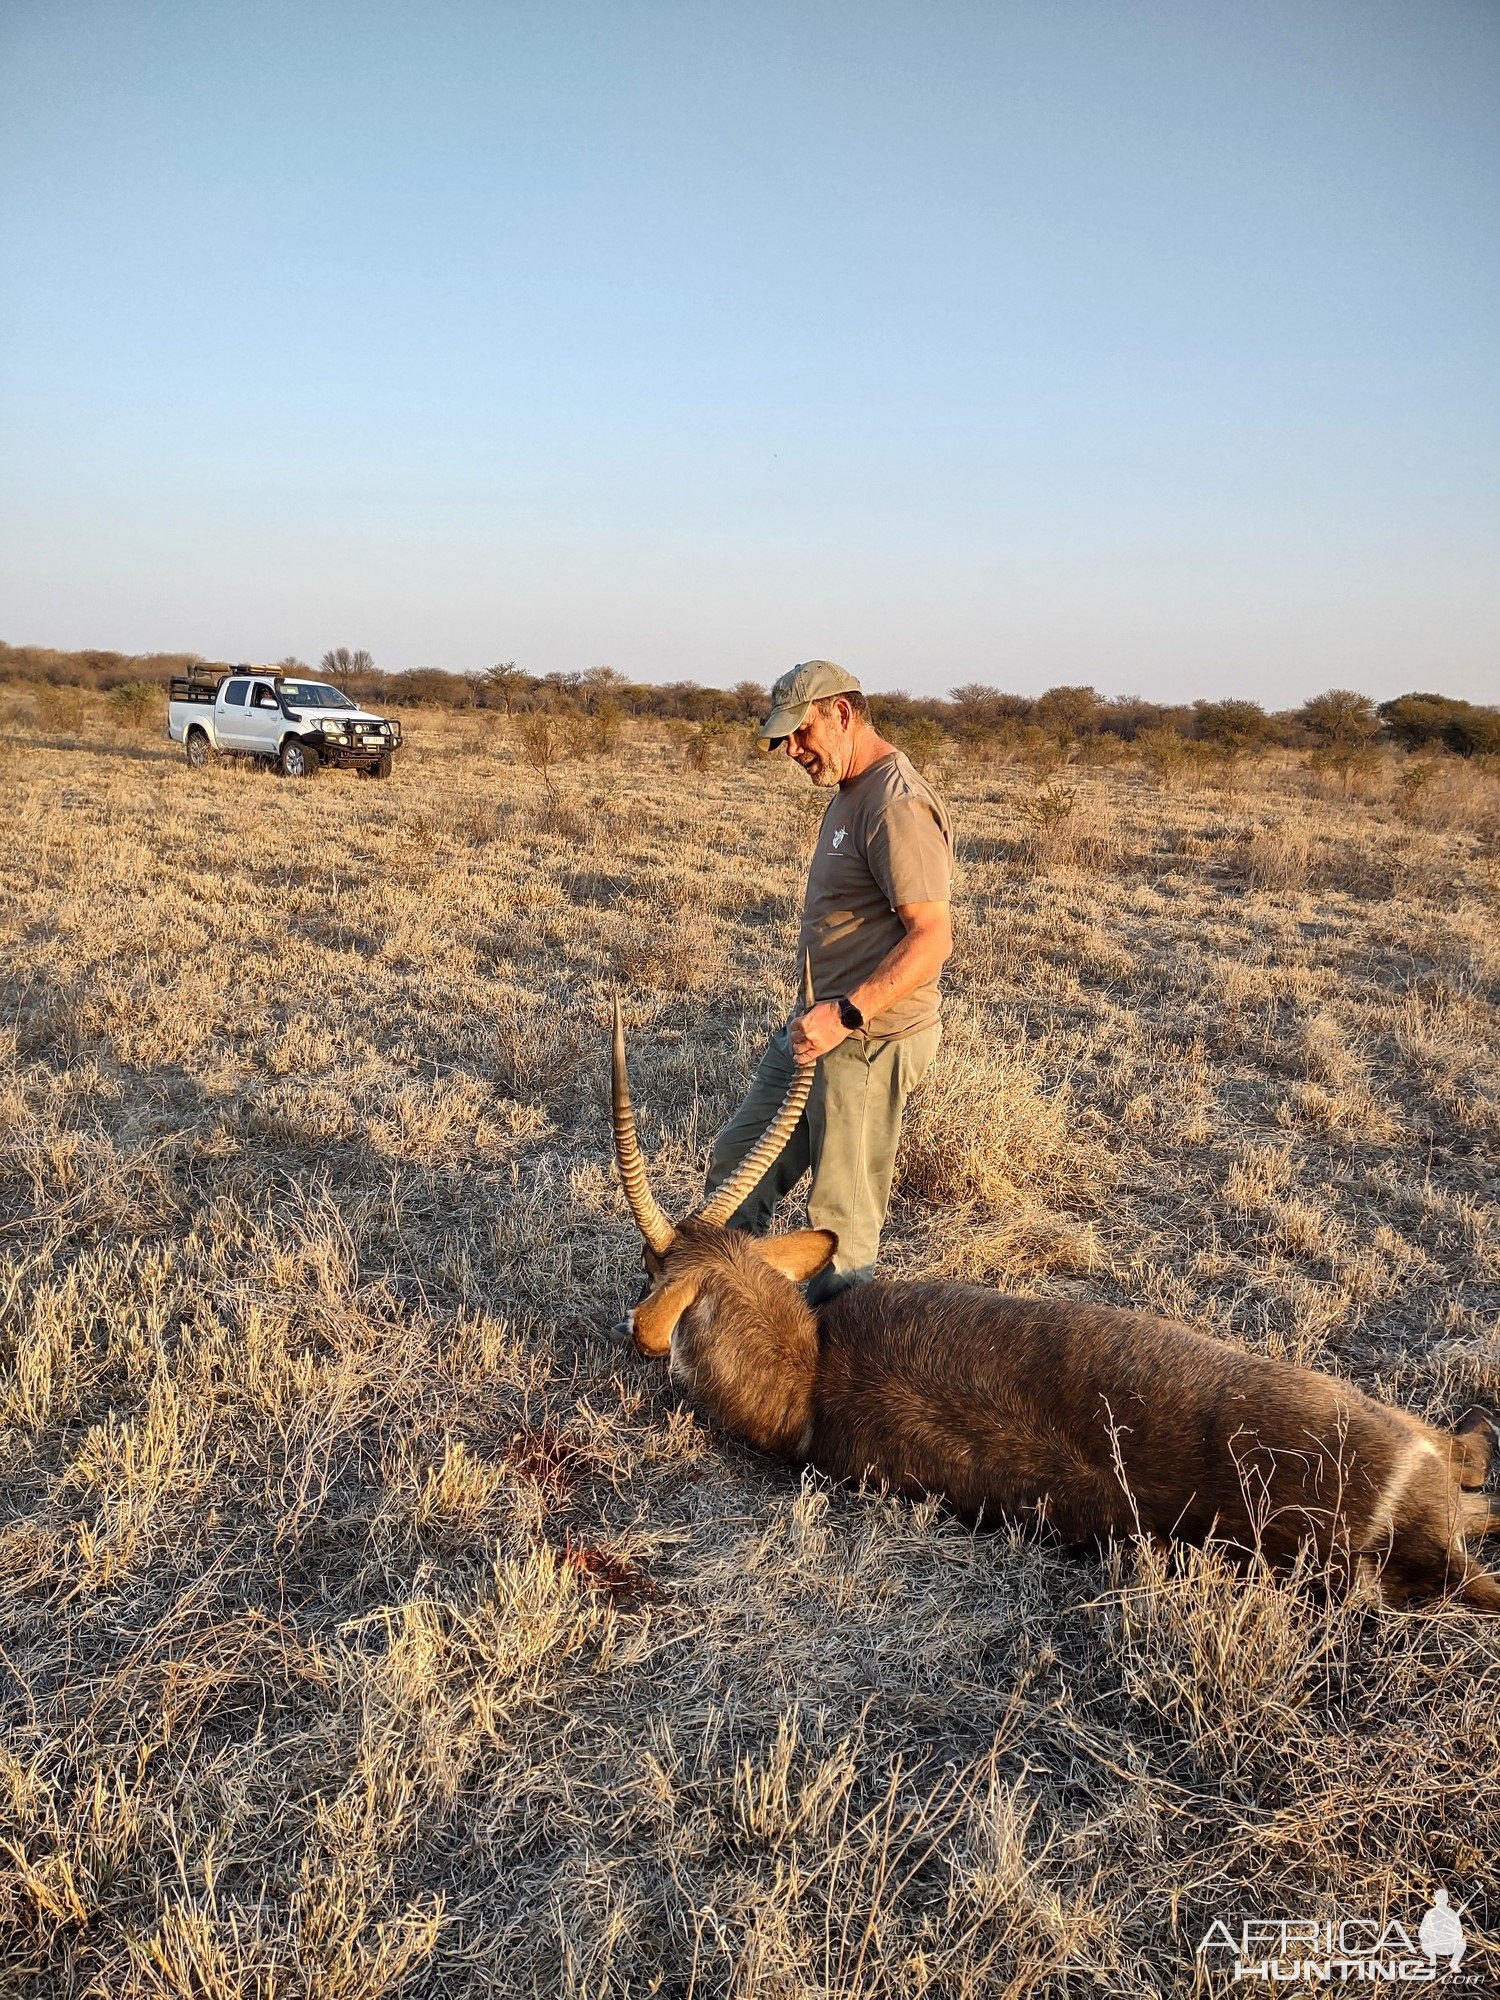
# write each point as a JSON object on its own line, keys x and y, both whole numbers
{"x": 314, "y": 694}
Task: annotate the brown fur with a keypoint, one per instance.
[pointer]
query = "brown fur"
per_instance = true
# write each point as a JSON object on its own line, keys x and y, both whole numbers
{"x": 1093, "y": 1421}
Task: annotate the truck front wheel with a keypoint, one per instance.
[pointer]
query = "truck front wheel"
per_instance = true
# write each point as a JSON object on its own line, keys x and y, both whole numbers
{"x": 196, "y": 748}
{"x": 297, "y": 760}
{"x": 381, "y": 768}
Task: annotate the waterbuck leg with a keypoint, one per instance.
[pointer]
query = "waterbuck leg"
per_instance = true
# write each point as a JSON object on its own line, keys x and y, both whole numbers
{"x": 1481, "y": 1516}
{"x": 1476, "y": 1436}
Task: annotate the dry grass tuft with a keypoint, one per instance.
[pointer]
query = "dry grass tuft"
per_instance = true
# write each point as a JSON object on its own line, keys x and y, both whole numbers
{"x": 1061, "y": 827}
{"x": 985, "y": 1128}
{"x": 1278, "y": 856}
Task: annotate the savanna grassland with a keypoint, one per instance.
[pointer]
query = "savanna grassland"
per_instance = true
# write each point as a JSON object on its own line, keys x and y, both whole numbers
{"x": 374, "y": 1624}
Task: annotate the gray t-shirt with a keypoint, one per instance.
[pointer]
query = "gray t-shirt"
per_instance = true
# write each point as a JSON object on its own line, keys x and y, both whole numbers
{"x": 885, "y": 840}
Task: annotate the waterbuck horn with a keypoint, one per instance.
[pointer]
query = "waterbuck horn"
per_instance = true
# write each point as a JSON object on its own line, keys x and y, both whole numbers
{"x": 644, "y": 1206}
{"x": 726, "y": 1199}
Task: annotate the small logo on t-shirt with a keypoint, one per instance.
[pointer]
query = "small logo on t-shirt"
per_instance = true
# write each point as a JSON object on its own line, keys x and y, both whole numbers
{"x": 838, "y": 838}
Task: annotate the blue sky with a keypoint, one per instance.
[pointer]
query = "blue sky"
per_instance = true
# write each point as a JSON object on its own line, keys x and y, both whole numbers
{"x": 1153, "y": 345}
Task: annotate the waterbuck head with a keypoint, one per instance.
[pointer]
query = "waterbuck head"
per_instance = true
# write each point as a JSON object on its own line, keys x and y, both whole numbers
{"x": 722, "y": 1305}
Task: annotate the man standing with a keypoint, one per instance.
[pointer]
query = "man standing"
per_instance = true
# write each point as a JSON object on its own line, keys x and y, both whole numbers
{"x": 876, "y": 930}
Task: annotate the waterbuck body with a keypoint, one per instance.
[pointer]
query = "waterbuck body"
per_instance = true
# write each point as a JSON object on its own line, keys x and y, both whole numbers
{"x": 1092, "y": 1421}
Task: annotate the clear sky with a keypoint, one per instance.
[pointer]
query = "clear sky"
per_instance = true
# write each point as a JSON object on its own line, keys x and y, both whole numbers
{"x": 1153, "y": 345}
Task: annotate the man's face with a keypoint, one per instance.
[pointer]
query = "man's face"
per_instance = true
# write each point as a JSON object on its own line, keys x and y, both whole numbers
{"x": 823, "y": 744}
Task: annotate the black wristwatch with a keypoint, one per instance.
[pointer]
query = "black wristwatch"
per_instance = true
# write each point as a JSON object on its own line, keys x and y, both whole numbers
{"x": 849, "y": 1014}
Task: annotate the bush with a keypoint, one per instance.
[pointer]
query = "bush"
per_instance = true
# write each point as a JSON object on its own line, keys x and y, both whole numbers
{"x": 1339, "y": 717}
{"x": 1100, "y": 749}
{"x": 1410, "y": 786}
{"x": 1066, "y": 712}
{"x": 1047, "y": 808}
{"x": 541, "y": 743}
{"x": 590, "y": 733}
{"x": 1231, "y": 726}
{"x": 976, "y": 744}
{"x": 1213, "y": 764}
{"x": 1042, "y": 751}
{"x": 1163, "y": 755}
{"x": 1352, "y": 762}
{"x": 1475, "y": 734}
{"x": 61, "y": 707}
{"x": 1061, "y": 829}
{"x": 921, "y": 739}
{"x": 604, "y": 727}
{"x": 701, "y": 746}
{"x": 1418, "y": 719}
{"x": 134, "y": 705}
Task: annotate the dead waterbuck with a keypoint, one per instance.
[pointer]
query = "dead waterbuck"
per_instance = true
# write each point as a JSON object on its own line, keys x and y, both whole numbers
{"x": 1094, "y": 1421}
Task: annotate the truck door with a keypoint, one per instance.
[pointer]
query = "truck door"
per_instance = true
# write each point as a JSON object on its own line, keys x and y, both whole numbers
{"x": 263, "y": 719}
{"x": 230, "y": 721}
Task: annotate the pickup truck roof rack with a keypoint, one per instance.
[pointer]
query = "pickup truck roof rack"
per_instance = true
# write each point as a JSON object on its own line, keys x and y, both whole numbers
{"x": 195, "y": 687}
{"x": 204, "y": 686}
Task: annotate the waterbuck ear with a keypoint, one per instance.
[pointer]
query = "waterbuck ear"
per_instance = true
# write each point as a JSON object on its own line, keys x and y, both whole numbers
{"x": 799, "y": 1254}
{"x": 653, "y": 1321}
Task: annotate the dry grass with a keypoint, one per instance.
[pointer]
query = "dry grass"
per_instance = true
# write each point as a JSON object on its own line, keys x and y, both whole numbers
{"x": 372, "y": 1625}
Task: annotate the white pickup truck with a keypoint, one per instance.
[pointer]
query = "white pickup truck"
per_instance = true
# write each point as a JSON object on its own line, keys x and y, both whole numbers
{"x": 257, "y": 712}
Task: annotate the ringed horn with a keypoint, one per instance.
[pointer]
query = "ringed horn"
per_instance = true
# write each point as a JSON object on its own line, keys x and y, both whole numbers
{"x": 650, "y": 1218}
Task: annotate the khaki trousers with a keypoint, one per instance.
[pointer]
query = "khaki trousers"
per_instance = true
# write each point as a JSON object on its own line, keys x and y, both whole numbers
{"x": 847, "y": 1135}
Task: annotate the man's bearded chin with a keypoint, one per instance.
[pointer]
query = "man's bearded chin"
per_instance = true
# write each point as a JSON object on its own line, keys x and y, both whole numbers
{"x": 822, "y": 774}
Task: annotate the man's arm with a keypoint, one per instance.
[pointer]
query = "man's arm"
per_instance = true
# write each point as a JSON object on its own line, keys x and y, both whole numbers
{"x": 914, "y": 960}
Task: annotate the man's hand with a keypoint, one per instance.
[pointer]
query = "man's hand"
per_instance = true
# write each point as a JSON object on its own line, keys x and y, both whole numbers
{"x": 817, "y": 1031}
{"x": 917, "y": 959}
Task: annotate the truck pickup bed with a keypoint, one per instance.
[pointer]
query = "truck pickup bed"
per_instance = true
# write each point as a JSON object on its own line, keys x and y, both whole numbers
{"x": 299, "y": 724}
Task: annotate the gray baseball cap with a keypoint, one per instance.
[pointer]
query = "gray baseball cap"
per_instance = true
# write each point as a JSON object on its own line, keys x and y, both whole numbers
{"x": 795, "y": 693}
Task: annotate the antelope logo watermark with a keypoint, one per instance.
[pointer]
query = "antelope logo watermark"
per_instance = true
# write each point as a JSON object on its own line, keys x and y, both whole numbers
{"x": 838, "y": 838}
{"x": 1286, "y": 1951}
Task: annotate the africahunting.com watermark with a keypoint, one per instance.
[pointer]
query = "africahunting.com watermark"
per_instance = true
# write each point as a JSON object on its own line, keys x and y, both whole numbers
{"x": 1287, "y": 1951}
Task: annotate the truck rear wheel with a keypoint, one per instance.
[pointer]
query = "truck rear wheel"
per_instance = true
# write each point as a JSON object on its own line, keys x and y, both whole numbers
{"x": 197, "y": 748}
{"x": 297, "y": 760}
